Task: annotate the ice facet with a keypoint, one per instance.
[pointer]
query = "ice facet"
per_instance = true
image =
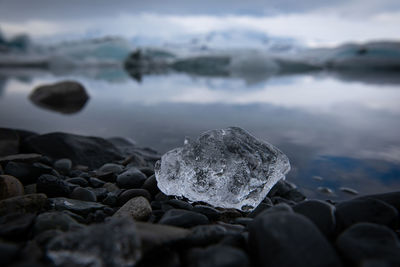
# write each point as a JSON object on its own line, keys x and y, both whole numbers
{"x": 226, "y": 168}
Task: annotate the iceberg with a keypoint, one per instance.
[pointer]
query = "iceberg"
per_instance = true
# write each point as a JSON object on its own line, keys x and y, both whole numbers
{"x": 226, "y": 168}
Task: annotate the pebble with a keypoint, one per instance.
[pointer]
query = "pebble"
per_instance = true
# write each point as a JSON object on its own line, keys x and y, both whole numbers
{"x": 183, "y": 218}
{"x": 25, "y": 158}
{"x": 52, "y": 186}
{"x": 10, "y": 187}
{"x": 138, "y": 208}
{"x": 289, "y": 239}
{"x": 366, "y": 241}
{"x": 111, "y": 187}
{"x": 54, "y": 221}
{"x": 147, "y": 171}
{"x": 26, "y": 173}
{"x": 111, "y": 167}
{"x": 30, "y": 203}
{"x": 132, "y": 178}
{"x": 205, "y": 235}
{"x": 63, "y": 165}
{"x": 325, "y": 190}
{"x": 96, "y": 182}
{"x": 211, "y": 213}
{"x": 78, "y": 180}
{"x": 16, "y": 225}
{"x": 151, "y": 185}
{"x": 217, "y": 256}
{"x": 76, "y": 206}
{"x": 349, "y": 191}
{"x": 131, "y": 193}
{"x": 83, "y": 194}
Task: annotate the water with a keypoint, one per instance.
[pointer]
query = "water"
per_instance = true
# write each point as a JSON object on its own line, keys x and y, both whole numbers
{"x": 336, "y": 130}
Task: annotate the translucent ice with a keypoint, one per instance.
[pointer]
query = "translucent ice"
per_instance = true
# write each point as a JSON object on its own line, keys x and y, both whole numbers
{"x": 226, "y": 168}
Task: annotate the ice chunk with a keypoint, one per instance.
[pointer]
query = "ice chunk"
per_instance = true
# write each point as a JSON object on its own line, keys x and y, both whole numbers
{"x": 226, "y": 168}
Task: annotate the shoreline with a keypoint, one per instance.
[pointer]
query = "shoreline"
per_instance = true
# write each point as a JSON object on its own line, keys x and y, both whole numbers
{"x": 63, "y": 196}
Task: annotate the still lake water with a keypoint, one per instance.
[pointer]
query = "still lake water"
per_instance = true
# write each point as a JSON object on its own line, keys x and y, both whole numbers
{"x": 336, "y": 131}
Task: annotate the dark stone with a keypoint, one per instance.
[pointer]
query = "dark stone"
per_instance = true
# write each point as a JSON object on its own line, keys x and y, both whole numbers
{"x": 78, "y": 180}
{"x": 63, "y": 165}
{"x": 245, "y": 221}
{"x": 31, "y": 203}
{"x": 89, "y": 151}
{"x": 281, "y": 188}
{"x": 131, "y": 193}
{"x": 111, "y": 167}
{"x": 44, "y": 237}
{"x": 365, "y": 210}
{"x": 101, "y": 193}
{"x": 183, "y": 218}
{"x": 321, "y": 213}
{"x": 147, "y": 171}
{"x": 367, "y": 241}
{"x": 160, "y": 196}
{"x": 211, "y": 213}
{"x": 83, "y": 194}
{"x": 289, "y": 239}
{"x": 179, "y": 204}
{"x": 76, "y": 206}
{"x": 132, "y": 178}
{"x": 260, "y": 208}
{"x": 111, "y": 199}
{"x": 10, "y": 187}
{"x": 294, "y": 195}
{"x": 205, "y": 235}
{"x": 279, "y": 200}
{"x": 392, "y": 198}
{"x": 108, "y": 177}
{"x": 138, "y": 208}
{"x": 52, "y": 186}
{"x": 115, "y": 243}
{"x": 96, "y": 182}
{"x": 65, "y": 97}
{"x": 26, "y": 173}
{"x": 217, "y": 256}
{"x": 16, "y": 225}
{"x": 24, "y": 158}
{"x": 228, "y": 215}
{"x": 8, "y": 252}
{"x": 54, "y": 221}
{"x": 151, "y": 185}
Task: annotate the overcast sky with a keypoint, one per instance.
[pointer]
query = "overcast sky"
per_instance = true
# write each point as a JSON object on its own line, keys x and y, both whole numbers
{"x": 313, "y": 22}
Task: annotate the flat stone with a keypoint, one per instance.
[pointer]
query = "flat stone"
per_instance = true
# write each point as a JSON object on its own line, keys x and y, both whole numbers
{"x": 366, "y": 210}
{"x": 138, "y": 208}
{"x": 289, "y": 239}
{"x": 96, "y": 182}
{"x": 114, "y": 244}
{"x": 226, "y": 168}
{"x": 321, "y": 213}
{"x": 183, "y": 218}
{"x": 76, "y": 206}
{"x": 10, "y": 187}
{"x": 78, "y": 180}
{"x": 364, "y": 242}
{"x": 25, "y": 158}
{"x": 30, "y": 203}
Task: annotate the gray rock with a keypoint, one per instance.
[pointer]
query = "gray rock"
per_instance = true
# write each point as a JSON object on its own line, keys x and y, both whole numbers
{"x": 26, "y": 173}
{"x": 78, "y": 180}
{"x": 183, "y": 218}
{"x": 367, "y": 241}
{"x": 64, "y": 97}
{"x": 115, "y": 244}
{"x": 138, "y": 208}
{"x": 83, "y": 194}
{"x": 111, "y": 167}
{"x": 63, "y": 165}
{"x": 10, "y": 187}
{"x": 54, "y": 221}
{"x": 132, "y": 178}
{"x": 151, "y": 185}
{"x": 289, "y": 239}
{"x": 131, "y": 193}
{"x": 96, "y": 182}
{"x": 52, "y": 186}
{"x": 226, "y": 168}
{"x": 25, "y": 158}
{"x": 76, "y": 206}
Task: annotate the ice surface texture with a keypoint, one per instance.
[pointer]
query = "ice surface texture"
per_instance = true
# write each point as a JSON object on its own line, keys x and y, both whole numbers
{"x": 226, "y": 168}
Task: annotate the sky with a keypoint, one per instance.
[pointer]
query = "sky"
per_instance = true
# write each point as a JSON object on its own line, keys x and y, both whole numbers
{"x": 311, "y": 22}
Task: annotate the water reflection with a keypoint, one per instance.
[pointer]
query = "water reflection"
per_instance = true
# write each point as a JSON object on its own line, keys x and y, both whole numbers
{"x": 345, "y": 132}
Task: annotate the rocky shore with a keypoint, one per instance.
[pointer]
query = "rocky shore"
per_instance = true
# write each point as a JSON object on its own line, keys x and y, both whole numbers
{"x": 70, "y": 200}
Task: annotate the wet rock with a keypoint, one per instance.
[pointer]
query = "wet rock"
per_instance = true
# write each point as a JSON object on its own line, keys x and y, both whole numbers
{"x": 111, "y": 187}
{"x": 115, "y": 244}
{"x": 260, "y": 208}
{"x": 366, "y": 210}
{"x": 217, "y": 256}
{"x": 54, "y": 221}
{"x": 26, "y": 173}
{"x": 226, "y": 168}
{"x": 132, "y": 178}
{"x": 83, "y": 194}
{"x": 211, "y": 213}
{"x": 65, "y": 97}
{"x": 179, "y": 204}
{"x": 364, "y": 242}
{"x": 137, "y": 208}
{"x": 322, "y": 214}
{"x": 151, "y": 185}
{"x": 16, "y": 225}
{"x": 83, "y": 150}
{"x": 131, "y": 193}
{"x": 289, "y": 239}
{"x": 392, "y": 198}
{"x": 63, "y": 165}
{"x": 205, "y": 235}
{"x": 78, "y": 181}
{"x": 325, "y": 190}
{"x": 52, "y": 186}
{"x": 10, "y": 187}
{"x": 147, "y": 171}
{"x": 111, "y": 167}
{"x": 31, "y": 203}
{"x": 183, "y": 218}
{"x": 76, "y": 206}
